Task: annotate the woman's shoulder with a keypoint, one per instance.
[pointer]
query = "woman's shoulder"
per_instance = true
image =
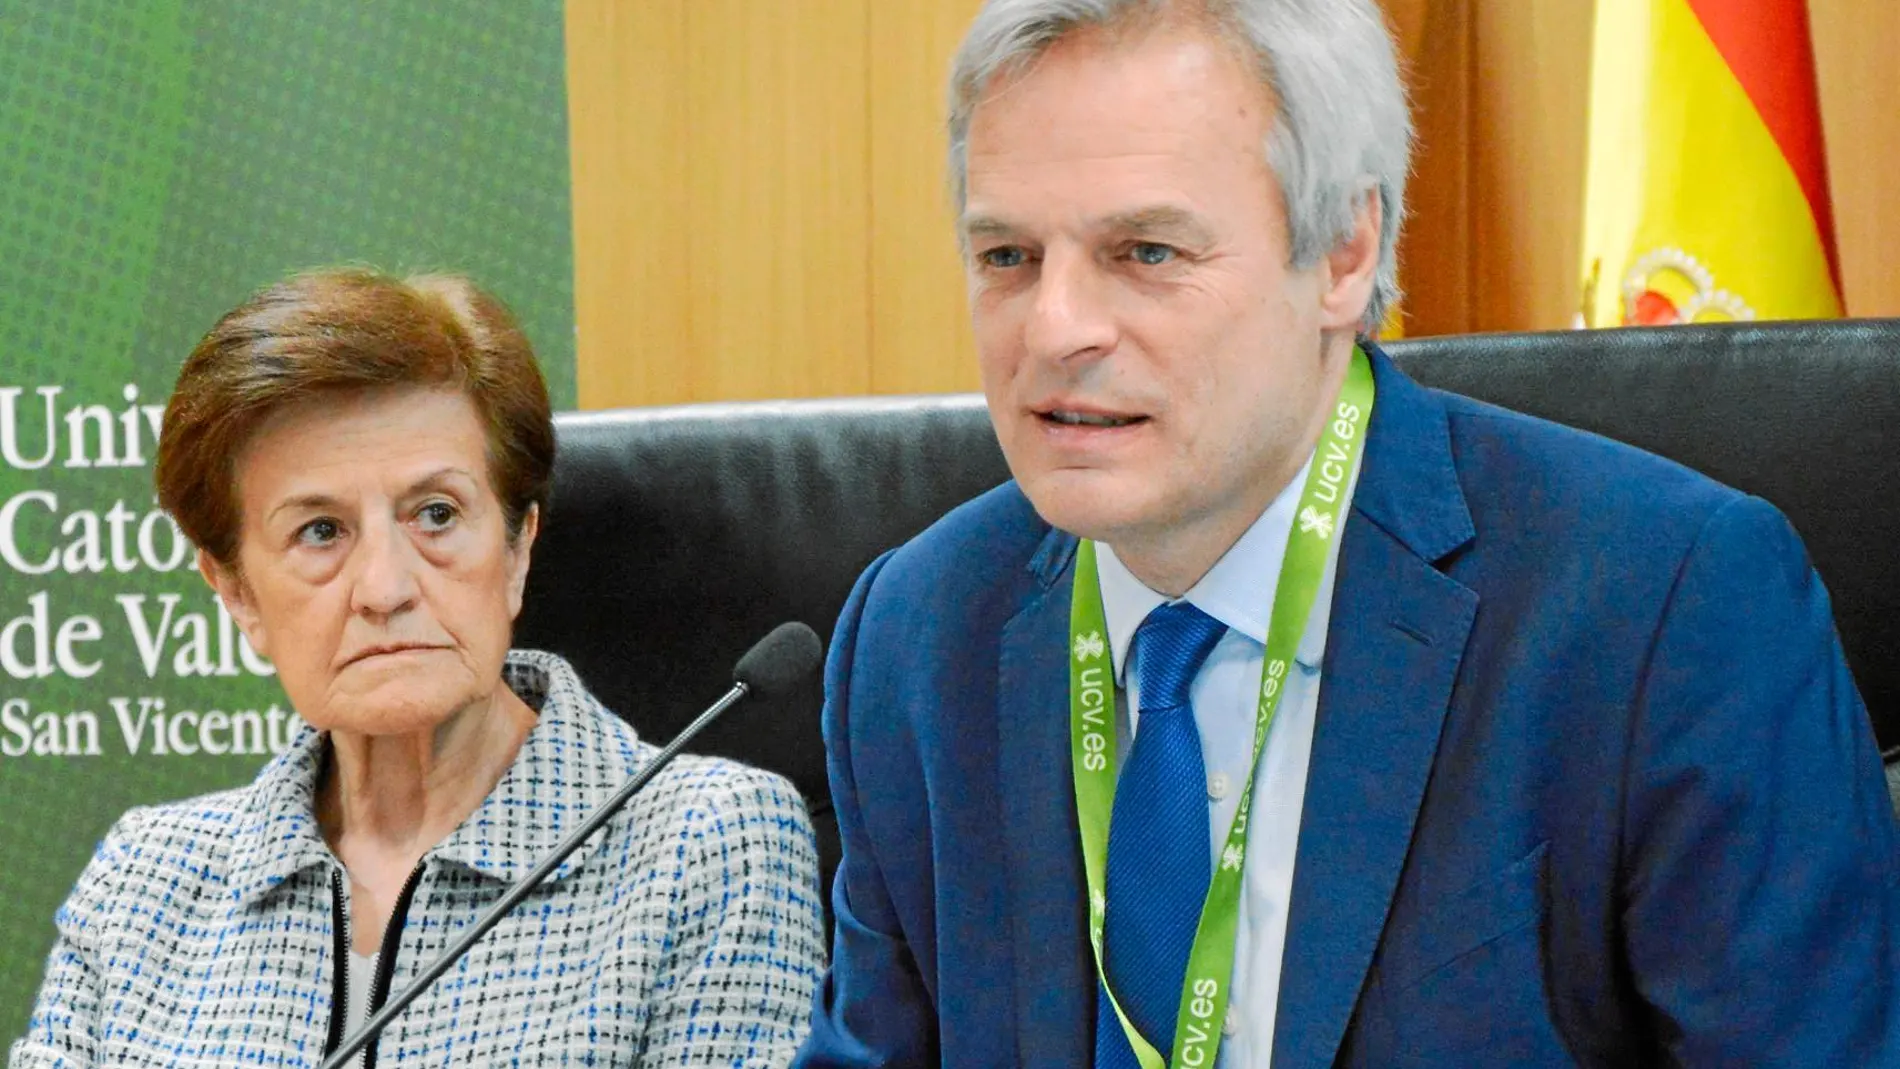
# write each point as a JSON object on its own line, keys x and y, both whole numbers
{"x": 580, "y": 720}
{"x": 167, "y": 848}
{"x": 699, "y": 796}
{"x": 708, "y": 826}
{"x": 199, "y": 827}
{"x": 722, "y": 786}
{"x": 720, "y": 826}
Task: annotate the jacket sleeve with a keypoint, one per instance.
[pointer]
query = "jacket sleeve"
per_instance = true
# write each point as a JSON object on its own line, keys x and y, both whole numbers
{"x": 872, "y": 1008}
{"x": 63, "y": 1030}
{"x": 1760, "y": 876}
{"x": 747, "y": 944}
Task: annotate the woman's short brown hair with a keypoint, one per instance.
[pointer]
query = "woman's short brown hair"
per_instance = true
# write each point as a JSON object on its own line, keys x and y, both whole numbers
{"x": 340, "y": 331}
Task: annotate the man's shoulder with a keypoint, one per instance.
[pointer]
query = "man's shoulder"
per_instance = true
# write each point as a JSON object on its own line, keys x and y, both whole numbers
{"x": 943, "y": 598}
{"x": 986, "y": 543}
{"x": 1520, "y": 471}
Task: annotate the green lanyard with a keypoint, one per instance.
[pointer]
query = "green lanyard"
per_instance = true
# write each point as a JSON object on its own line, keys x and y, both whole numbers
{"x": 1204, "y": 991}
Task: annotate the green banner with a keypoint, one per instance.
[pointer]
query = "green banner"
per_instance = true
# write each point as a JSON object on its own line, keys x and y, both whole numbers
{"x": 158, "y": 162}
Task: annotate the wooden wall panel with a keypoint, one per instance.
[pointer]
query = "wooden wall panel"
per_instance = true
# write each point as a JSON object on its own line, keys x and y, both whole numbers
{"x": 779, "y": 111}
{"x": 920, "y": 324}
{"x": 1531, "y": 73}
{"x": 628, "y": 154}
{"x": 721, "y": 198}
{"x": 1436, "y": 268}
{"x": 1855, "y": 42}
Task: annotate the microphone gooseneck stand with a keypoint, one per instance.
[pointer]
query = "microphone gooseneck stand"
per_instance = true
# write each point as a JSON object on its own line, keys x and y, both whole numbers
{"x": 776, "y": 662}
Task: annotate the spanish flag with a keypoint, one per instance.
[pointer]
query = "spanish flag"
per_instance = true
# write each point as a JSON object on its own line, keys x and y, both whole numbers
{"x": 1707, "y": 195}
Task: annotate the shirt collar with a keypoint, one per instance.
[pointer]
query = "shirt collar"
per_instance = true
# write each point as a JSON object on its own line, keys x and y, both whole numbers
{"x": 573, "y": 759}
{"x": 1238, "y": 590}
{"x": 275, "y": 834}
{"x": 577, "y": 755}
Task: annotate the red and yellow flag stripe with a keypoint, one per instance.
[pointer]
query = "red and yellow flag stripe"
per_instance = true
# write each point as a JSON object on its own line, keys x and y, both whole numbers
{"x": 1707, "y": 192}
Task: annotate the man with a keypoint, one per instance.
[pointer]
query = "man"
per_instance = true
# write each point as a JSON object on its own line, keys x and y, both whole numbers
{"x": 1282, "y": 711}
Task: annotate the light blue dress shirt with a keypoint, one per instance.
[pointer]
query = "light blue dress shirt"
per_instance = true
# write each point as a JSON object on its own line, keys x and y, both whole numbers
{"x": 1238, "y": 591}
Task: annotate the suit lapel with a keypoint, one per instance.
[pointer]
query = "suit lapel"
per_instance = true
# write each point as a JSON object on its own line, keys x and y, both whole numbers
{"x": 1054, "y": 977}
{"x": 1398, "y": 632}
{"x": 1384, "y": 689}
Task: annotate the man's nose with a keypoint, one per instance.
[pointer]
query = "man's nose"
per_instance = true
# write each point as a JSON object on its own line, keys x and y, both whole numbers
{"x": 386, "y": 568}
{"x": 1071, "y": 315}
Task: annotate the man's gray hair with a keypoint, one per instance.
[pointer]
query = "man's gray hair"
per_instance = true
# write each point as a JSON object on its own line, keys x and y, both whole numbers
{"x": 1342, "y": 128}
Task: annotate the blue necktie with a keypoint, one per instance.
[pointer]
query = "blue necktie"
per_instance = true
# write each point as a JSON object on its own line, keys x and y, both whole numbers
{"x": 1158, "y": 865}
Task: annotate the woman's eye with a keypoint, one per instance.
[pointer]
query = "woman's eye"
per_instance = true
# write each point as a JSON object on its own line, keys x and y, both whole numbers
{"x": 1150, "y": 254}
{"x": 436, "y": 516}
{"x": 319, "y": 532}
{"x": 1005, "y": 257}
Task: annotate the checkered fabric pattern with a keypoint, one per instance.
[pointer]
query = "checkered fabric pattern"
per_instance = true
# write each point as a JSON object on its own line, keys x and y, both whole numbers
{"x": 687, "y": 932}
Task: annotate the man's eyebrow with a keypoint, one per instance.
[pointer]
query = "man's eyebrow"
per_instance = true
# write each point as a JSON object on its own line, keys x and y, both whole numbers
{"x": 984, "y": 226}
{"x": 1161, "y": 219}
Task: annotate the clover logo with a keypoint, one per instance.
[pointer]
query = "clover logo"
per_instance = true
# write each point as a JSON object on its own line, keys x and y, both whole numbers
{"x": 1313, "y": 521}
{"x": 1090, "y": 647}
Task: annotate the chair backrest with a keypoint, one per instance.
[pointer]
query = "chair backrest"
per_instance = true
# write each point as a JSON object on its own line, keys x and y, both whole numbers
{"x": 1804, "y": 415}
{"x": 678, "y": 536}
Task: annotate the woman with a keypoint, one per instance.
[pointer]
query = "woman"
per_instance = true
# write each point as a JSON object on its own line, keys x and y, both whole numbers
{"x": 363, "y": 463}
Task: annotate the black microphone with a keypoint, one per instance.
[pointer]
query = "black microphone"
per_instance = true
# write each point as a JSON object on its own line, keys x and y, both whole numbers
{"x": 773, "y": 665}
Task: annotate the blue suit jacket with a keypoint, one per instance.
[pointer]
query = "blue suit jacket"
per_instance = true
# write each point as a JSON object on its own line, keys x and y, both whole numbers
{"x": 1590, "y": 781}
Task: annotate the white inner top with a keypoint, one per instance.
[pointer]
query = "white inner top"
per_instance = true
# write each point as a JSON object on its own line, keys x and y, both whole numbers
{"x": 362, "y": 974}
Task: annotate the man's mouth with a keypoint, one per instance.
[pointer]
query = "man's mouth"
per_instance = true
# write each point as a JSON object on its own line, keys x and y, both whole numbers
{"x": 1090, "y": 419}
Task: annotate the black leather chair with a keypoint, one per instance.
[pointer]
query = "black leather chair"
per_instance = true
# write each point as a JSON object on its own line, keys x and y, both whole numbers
{"x": 677, "y": 536}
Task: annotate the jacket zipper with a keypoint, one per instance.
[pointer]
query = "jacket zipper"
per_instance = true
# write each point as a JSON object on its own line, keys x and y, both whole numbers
{"x": 385, "y": 960}
{"x": 340, "y": 983}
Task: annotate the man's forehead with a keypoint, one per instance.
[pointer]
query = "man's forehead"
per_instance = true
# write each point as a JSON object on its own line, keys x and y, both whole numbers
{"x": 1166, "y": 183}
{"x": 1146, "y": 116}
{"x": 1154, "y": 218}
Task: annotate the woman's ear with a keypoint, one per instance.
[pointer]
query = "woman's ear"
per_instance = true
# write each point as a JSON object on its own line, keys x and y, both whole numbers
{"x": 519, "y": 550}
{"x": 237, "y": 600}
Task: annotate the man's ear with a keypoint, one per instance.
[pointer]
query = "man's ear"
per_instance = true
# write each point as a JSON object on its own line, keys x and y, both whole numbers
{"x": 237, "y": 601}
{"x": 1352, "y": 268}
{"x": 519, "y": 552}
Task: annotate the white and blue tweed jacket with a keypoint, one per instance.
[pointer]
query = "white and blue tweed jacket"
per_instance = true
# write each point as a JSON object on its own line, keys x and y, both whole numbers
{"x": 207, "y": 932}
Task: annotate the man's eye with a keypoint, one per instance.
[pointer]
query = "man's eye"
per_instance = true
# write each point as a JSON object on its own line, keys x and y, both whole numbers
{"x": 1150, "y": 254}
{"x": 436, "y": 516}
{"x": 319, "y": 532}
{"x": 1005, "y": 257}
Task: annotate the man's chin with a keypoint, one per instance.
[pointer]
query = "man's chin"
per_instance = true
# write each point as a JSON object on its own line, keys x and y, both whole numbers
{"x": 1094, "y": 505}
